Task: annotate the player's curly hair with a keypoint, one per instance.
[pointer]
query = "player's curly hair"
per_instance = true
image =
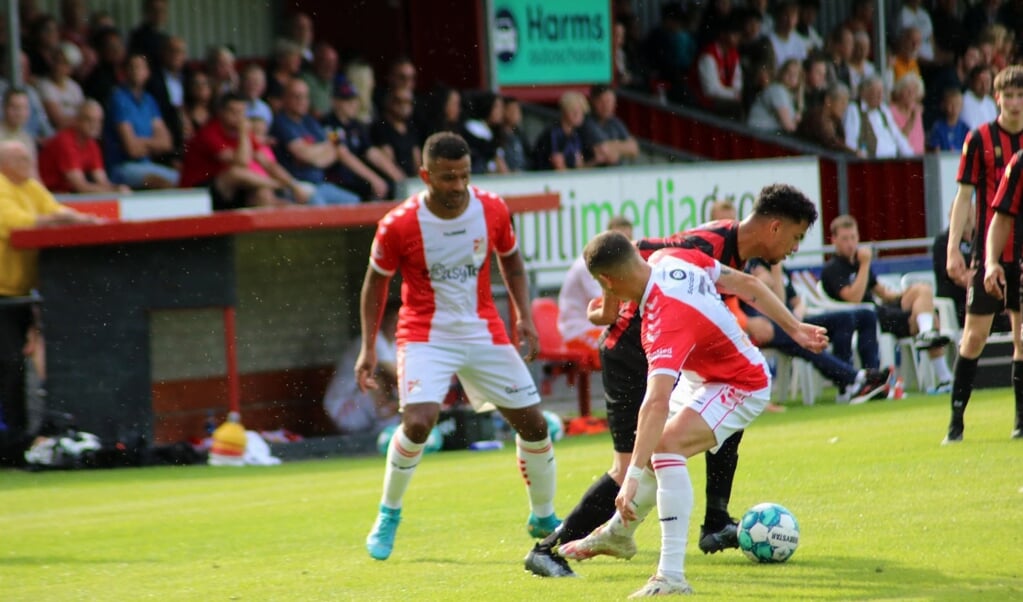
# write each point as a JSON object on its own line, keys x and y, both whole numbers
{"x": 786, "y": 202}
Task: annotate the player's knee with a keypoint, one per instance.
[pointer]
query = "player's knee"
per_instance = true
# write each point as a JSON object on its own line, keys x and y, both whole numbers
{"x": 417, "y": 426}
{"x": 972, "y": 343}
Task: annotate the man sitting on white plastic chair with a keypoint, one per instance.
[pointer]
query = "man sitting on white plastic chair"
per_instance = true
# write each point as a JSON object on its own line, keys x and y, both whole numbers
{"x": 849, "y": 277}
{"x": 854, "y": 386}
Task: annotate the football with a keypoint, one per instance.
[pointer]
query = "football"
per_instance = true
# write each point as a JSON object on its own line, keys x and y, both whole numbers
{"x": 768, "y": 533}
{"x": 555, "y": 426}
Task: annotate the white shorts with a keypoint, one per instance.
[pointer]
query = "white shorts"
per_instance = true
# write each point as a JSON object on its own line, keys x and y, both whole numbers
{"x": 492, "y": 375}
{"x": 724, "y": 408}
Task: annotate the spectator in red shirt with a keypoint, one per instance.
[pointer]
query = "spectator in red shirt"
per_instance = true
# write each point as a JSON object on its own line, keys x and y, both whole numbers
{"x": 221, "y": 156}
{"x": 71, "y": 161}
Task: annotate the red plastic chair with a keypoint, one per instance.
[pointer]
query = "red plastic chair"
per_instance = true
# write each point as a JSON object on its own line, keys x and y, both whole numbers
{"x": 573, "y": 363}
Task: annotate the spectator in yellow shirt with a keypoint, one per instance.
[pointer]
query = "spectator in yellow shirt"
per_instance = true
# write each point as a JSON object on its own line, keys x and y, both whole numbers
{"x": 24, "y": 203}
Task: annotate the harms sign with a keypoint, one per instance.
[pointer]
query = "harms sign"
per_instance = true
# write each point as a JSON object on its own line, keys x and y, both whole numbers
{"x": 551, "y": 42}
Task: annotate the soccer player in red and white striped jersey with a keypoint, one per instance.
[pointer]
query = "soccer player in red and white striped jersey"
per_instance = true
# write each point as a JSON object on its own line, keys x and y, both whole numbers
{"x": 706, "y": 379}
{"x": 985, "y": 155}
{"x": 441, "y": 240}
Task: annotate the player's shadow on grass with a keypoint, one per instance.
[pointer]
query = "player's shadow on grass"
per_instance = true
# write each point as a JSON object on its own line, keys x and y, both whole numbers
{"x": 848, "y": 578}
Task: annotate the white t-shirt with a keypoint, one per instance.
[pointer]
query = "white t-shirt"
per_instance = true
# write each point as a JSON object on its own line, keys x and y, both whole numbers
{"x": 793, "y": 47}
{"x": 576, "y": 292}
{"x": 922, "y": 21}
{"x": 351, "y": 410}
{"x": 977, "y": 111}
{"x": 891, "y": 142}
{"x": 69, "y": 96}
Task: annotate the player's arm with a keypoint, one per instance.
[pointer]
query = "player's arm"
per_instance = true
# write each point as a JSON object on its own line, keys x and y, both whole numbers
{"x": 855, "y": 291}
{"x": 603, "y": 310}
{"x": 961, "y": 207}
{"x": 371, "y": 309}
{"x": 997, "y": 235}
{"x": 513, "y": 270}
{"x": 771, "y": 278}
{"x": 755, "y": 293}
{"x": 653, "y": 414}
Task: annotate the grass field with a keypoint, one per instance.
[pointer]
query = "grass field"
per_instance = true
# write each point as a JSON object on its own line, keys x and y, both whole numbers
{"x": 885, "y": 512}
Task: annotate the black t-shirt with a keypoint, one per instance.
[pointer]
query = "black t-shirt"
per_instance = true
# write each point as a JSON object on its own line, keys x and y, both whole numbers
{"x": 384, "y": 134}
{"x": 839, "y": 273}
{"x": 355, "y": 135}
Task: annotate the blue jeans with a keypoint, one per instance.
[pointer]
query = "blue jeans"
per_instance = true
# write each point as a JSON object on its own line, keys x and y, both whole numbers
{"x": 134, "y": 173}
{"x": 840, "y": 372}
{"x": 329, "y": 194}
{"x": 842, "y": 324}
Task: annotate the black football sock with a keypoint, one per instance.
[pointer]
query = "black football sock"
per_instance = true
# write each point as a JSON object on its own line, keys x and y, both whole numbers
{"x": 962, "y": 388}
{"x": 594, "y": 509}
{"x": 1017, "y": 388}
{"x": 720, "y": 474}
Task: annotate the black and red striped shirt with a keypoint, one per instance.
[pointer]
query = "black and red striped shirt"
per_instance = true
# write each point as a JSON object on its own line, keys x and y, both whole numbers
{"x": 985, "y": 155}
{"x": 622, "y": 357}
{"x": 1009, "y": 196}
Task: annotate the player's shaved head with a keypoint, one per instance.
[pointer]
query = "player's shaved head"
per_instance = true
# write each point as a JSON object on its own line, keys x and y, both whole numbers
{"x": 444, "y": 145}
{"x": 611, "y": 253}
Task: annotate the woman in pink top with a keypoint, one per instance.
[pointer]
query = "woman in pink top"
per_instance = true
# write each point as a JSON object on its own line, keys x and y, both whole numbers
{"x": 907, "y": 109}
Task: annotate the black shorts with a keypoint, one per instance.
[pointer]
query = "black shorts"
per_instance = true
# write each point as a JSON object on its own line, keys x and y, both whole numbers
{"x": 979, "y": 302}
{"x": 623, "y": 372}
{"x": 893, "y": 319}
{"x": 240, "y": 199}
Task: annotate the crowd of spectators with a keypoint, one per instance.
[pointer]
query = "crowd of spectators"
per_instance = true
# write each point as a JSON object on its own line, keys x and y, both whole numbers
{"x": 134, "y": 111}
{"x": 765, "y": 63}
{"x": 340, "y": 138}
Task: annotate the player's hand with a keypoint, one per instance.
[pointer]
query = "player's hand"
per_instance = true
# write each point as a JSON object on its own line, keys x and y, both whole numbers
{"x": 624, "y": 500}
{"x": 955, "y": 265}
{"x": 811, "y": 336}
{"x": 967, "y": 278}
{"x": 529, "y": 336}
{"x": 864, "y": 254}
{"x": 994, "y": 280}
{"x": 365, "y": 368}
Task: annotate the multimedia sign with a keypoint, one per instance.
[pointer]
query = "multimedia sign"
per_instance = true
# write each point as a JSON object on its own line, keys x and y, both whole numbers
{"x": 551, "y": 42}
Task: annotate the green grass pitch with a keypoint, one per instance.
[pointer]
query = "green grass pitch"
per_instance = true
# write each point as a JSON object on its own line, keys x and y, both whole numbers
{"x": 885, "y": 513}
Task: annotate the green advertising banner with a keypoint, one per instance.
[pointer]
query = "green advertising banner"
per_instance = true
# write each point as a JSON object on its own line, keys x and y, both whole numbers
{"x": 551, "y": 41}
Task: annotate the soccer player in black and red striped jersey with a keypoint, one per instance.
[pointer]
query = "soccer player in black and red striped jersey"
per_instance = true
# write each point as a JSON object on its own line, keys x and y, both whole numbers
{"x": 1008, "y": 214}
{"x": 985, "y": 155}
{"x": 781, "y": 216}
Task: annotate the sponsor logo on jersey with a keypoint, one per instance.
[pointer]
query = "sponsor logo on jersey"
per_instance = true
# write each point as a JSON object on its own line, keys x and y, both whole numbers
{"x": 457, "y": 273}
{"x": 414, "y": 386}
{"x": 656, "y": 354}
{"x": 677, "y": 274}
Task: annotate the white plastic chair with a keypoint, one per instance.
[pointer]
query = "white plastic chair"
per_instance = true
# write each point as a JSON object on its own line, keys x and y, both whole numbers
{"x": 912, "y": 371}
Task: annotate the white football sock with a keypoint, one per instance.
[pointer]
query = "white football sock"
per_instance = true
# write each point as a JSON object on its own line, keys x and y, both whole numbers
{"x": 403, "y": 456}
{"x": 674, "y": 506}
{"x": 644, "y": 502}
{"x": 536, "y": 462}
{"x": 941, "y": 369}
{"x": 925, "y": 322}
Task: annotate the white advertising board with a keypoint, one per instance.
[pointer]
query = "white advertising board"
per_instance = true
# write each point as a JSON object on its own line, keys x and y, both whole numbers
{"x": 660, "y": 200}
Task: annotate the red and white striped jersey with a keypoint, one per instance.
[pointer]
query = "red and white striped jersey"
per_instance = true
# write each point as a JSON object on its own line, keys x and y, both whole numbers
{"x": 445, "y": 268}
{"x": 688, "y": 330}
